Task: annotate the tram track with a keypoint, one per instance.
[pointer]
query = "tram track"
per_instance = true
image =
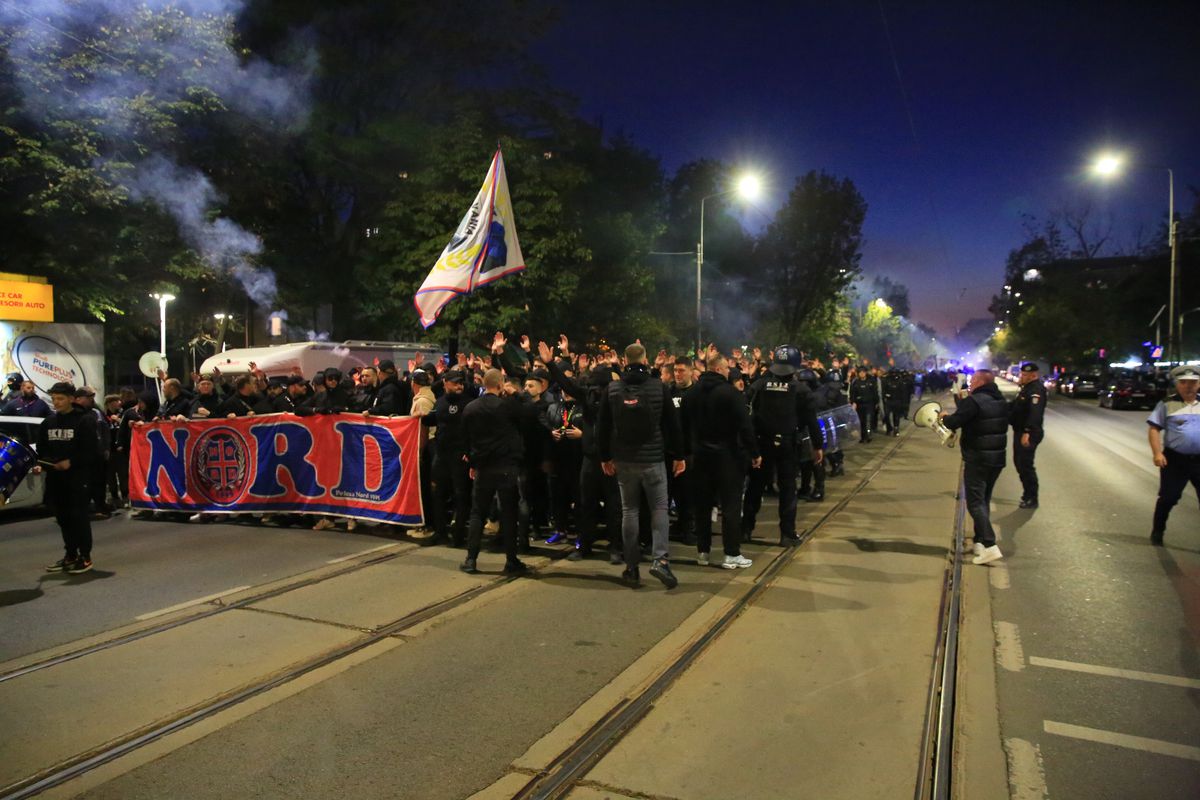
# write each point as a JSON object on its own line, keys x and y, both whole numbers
{"x": 572, "y": 764}
{"x": 569, "y": 768}
{"x": 937, "y": 740}
{"x": 216, "y": 607}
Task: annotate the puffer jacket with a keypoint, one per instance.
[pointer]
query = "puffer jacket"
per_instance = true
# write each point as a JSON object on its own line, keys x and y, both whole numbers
{"x": 982, "y": 417}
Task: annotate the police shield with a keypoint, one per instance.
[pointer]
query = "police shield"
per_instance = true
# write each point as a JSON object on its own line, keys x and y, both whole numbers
{"x": 839, "y": 426}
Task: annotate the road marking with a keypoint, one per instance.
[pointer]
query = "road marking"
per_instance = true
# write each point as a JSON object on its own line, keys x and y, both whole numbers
{"x": 1009, "y": 653}
{"x": 1114, "y": 672}
{"x": 998, "y": 576}
{"x": 187, "y": 603}
{"x": 1123, "y": 740}
{"x": 1026, "y": 778}
{"x": 363, "y": 553}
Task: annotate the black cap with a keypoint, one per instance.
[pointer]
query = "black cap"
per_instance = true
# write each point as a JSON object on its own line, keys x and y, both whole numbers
{"x": 387, "y": 365}
{"x": 278, "y": 381}
{"x": 332, "y": 374}
{"x": 540, "y": 374}
{"x": 294, "y": 380}
{"x": 1029, "y": 366}
{"x": 564, "y": 365}
{"x": 63, "y": 388}
{"x": 422, "y": 378}
{"x": 453, "y": 376}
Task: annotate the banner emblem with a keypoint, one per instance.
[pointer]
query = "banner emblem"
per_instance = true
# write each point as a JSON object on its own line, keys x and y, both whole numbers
{"x": 219, "y": 466}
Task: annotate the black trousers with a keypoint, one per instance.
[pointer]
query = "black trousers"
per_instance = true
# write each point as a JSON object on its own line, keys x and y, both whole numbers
{"x": 979, "y": 480}
{"x": 98, "y": 484}
{"x": 1172, "y": 480}
{"x": 68, "y": 495}
{"x": 718, "y": 479}
{"x": 866, "y": 421}
{"x": 596, "y": 487}
{"x": 680, "y": 489}
{"x": 779, "y": 460}
{"x": 895, "y": 413}
{"x": 118, "y": 477}
{"x": 1023, "y": 461}
{"x": 535, "y": 499}
{"x": 812, "y": 477}
{"x": 451, "y": 481}
{"x": 495, "y": 483}
{"x": 564, "y": 484}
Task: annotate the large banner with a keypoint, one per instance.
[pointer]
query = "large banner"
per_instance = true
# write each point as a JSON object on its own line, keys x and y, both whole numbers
{"x": 344, "y": 464}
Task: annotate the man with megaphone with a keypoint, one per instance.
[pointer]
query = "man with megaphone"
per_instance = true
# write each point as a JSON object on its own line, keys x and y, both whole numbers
{"x": 982, "y": 419}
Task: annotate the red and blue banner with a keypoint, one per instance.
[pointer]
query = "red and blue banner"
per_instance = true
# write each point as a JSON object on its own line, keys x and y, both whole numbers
{"x": 344, "y": 464}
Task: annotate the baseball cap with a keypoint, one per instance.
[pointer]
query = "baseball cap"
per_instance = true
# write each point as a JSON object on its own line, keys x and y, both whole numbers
{"x": 85, "y": 391}
{"x": 453, "y": 376}
{"x": 1029, "y": 366}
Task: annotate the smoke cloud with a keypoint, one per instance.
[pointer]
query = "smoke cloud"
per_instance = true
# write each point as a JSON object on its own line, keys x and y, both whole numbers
{"x": 168, "y": 66}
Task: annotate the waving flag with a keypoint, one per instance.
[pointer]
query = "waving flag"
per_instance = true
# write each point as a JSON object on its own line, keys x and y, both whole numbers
{"x": 484, "y": 248}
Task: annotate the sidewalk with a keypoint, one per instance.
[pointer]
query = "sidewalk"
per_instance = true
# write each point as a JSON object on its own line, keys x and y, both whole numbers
{"x": 819, "y": 688}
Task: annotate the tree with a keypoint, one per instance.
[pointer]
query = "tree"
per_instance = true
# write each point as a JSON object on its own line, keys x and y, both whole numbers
{"x": 808, "y": 257}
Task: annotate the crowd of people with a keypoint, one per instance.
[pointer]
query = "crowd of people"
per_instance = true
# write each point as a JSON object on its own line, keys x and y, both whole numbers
{"x": 534, "y": 442}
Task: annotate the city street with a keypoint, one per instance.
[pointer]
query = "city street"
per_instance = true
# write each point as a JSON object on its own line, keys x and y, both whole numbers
{"x": 1098, "y": 632}
{"x": 232, "y": 659}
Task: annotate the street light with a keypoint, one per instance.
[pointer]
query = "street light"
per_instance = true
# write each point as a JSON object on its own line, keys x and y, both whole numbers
{"x": 162, "y": 299}
{"x": 748, "y": 187}
{"x": 1108, "y": 165}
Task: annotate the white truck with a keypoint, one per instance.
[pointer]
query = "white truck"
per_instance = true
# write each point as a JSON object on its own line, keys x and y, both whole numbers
{"x": 312, "y": 357}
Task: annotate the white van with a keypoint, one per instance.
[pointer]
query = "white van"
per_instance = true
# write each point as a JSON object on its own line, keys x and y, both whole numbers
{"x": 311, "y": 357}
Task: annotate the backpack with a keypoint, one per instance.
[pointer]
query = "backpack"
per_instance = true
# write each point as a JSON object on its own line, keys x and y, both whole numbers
{"x": 634, "y": 416}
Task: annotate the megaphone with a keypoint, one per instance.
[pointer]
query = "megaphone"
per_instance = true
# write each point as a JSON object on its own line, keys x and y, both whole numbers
{"x": 150, "y": 363}
{"x": 927, "y": 415}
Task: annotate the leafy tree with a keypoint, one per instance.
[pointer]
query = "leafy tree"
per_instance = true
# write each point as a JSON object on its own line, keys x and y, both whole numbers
{"x": 808, "y": 258}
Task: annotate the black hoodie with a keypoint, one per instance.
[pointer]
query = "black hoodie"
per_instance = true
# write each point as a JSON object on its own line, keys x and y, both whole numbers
{"x": 715, "y": 419}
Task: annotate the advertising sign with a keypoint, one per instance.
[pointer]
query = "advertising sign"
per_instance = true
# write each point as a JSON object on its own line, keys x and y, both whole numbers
{"x": 49, "y": 353}
{"x": 343, "y": 464}
{"x": 33, "y": 302}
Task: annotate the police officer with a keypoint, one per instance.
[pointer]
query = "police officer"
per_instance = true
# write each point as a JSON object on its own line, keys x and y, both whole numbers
{"x": 1175, "y": 442}
{"x": 780, "y": 404}
{"x": 864, "y": 396}
{"x": 1026, "y": 417}
{"x": 451, "y": 473}
{"x": 67, "y": 444}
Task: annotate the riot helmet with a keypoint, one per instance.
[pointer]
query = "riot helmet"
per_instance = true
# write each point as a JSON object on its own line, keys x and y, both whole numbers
{"x": 785, "y": 360}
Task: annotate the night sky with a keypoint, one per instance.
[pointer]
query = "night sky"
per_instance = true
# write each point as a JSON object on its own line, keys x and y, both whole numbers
{"x": 1006, "y": 104}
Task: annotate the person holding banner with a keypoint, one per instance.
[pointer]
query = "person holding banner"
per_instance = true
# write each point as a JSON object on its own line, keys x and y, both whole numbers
{"x": 67, "y": 447}
{"x": 494, "y": 446}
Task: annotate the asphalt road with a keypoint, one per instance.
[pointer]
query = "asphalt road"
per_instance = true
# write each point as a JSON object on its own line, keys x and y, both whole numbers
{"x": 441, "y": 714}
{"x": 1098, "y": 632}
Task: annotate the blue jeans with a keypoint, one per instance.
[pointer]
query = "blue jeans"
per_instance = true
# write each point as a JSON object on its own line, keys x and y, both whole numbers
{"x": 633, "y": 480}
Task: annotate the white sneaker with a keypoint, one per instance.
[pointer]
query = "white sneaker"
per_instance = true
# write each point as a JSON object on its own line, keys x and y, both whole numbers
{"x": 702, "y": 558}
{"x": 323, "y": 524}
{"x": 713, "y": 515}
{"x": 988, "y": 555}
{"x": 196, "y": 518}
{"x": 978, "y": 549}
{"x": 351, "y": 524}
{"x": 736, "y": 562}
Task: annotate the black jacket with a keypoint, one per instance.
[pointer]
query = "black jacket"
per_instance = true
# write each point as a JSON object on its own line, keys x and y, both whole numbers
{"x": 393, "y": 399}
{"x": 784, "y": 406}
{"x": 241, "y": 406}
{"x": 210, "y": 401}
{"x": 493, "y": 426}
{"x": 179, "y": 406}
{"x": 715, "y": 419}
{"x": 448, "y": 411}
{"x": 339, "y": 398}
{"x": 982, "y": 416}
{"x": 864, "y": 392}
{"x": 1029, "y": 409}
{"x": 638, "y": 422}
{"x": 69, "y": 436}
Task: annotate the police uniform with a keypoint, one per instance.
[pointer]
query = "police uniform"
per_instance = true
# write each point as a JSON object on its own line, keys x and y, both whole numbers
{"x": 1026, "y": 416}
{"x": 1179, "y": 422}
{"x": 780, "y": 404}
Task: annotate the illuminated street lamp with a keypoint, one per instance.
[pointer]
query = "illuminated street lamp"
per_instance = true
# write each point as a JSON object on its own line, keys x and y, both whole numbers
{"x": 162, "y": 299}
{"x": 1108, "y": 165}
{"x": 748, "y": 187}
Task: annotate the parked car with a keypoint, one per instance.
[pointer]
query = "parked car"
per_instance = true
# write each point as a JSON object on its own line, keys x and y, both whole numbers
{"x": 1060, "y": 385}
{"x": 1083, "y": 385}
{"x": 32, "y": 490}
{"x": 1136, "y": 392}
